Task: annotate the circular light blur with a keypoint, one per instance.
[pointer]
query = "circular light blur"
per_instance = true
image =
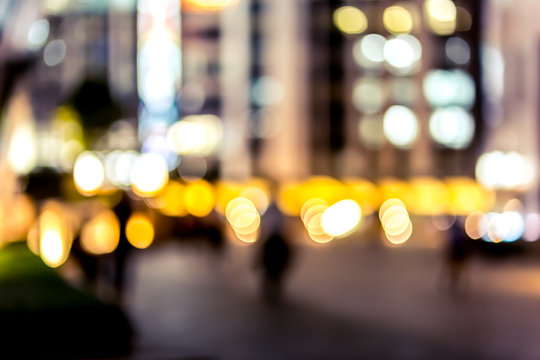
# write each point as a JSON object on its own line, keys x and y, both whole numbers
{"x": 149, "y": 174}
{"x": 388, "y": 204}
{"x": 370, "y": 130}
{"x": 258, "y": 197}
{"x": 368, "y": 95}
{"x": 309, "y": 204}
{"x": 449, "y": 87}
{"x": 457, "y": 50}
{"x": 473, "y": 225}
{"x": 38, "y": 34}
{"x": 514, "y": 224}
{"x": 267, "y": 91}
{"x": 400, "y": 126}
{"x": 532, "y": 227}
{"x": 397, "y": 20}
{"x": 121, "y": 175}
{"x": 199, "y": 198}
{"x": 369, "y": 51}
{"x": 452, "y": 127}
{"x": 341, "y": 218}
{"x": 54, "y": 52}
{"x": 139, "y": 231}
{"x": 171, "y": 200}
{"x": 399, "y": 53}
{"x": 401, "y": 238}
{"x": 498, "y": 170}
{"x": 88, "y": 173}
{"x": 101, "y": 234}
{"x": 192, "y": 168}
{"x": 441, "y": 16}
{"x": 350, "y": 20}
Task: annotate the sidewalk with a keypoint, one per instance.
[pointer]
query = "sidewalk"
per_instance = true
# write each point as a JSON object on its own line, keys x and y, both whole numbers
{"x": 344, "y": 302}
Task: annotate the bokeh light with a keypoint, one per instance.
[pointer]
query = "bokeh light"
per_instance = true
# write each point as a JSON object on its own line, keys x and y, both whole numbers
{"x": 207, "y": 5}
{"x": 244, "y": 219}
{"x": 198, "y": 135}
{"x": 452, "y": 127}
{"x": 140, "y": 231}
{"x": 368, "y": 51}
{"x": 441, "y": 16}
{"x": 341, "y": 218}
{"x": 498, "y": 170}
{"x": 267, "y": 91}
{"x": 449, "y": 87}
{"x": 395, "y": 221}
{"x": 457, "y": 50}
{"x": 371, "y": 132}
{"x": 38, "y": 34}
{"x": 473, "y": 225}
{"x": 54, "y": 52}
{"x": 368, "y": 95}
{"x": 55, "y": 235}
{"x": 350, "y": 20}
{"x": 149, "y": 174}
{"x": 532, "y": 227}
{"x": 88, "y": 173}
{"x": 397, "y": 20}
{"x": 199, "y": 198}
{"x": 101, "y": 234}
{"x": 22, "y": 152}
{"x": 170, "y": 201}
{"x": 400, "y": 126}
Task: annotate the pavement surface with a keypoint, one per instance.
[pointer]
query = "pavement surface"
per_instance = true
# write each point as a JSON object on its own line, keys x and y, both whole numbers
{"x": 345, "y": 300}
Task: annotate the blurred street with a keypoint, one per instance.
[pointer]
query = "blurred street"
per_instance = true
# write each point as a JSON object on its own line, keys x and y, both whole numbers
{"x": 343, "y": 301}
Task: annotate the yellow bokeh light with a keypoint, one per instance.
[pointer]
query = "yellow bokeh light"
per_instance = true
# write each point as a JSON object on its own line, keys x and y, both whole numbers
{"x": 397, "y": 20}
{"x": 288, "y": 200}
{"x": 140, "y": 231}
{"x": 101, "y": 234}
{"x": 388, "y": 204}
{"x": 365, "y": 193}
{"x": 244, "y": 219}
{"x": 199, "y": 198}
{"x": 207, "y": 5}
{"x": 309, "y": 204}
{"x": 466, "y": 195}
{"x": 341, "y": 218}
{"x": 441, "y": 16}
{"x": 401, "y": 238}
{"x": 55, "y": 236}
{"x": 18, "y": 217}
{"x": 88, "y": 173}
{"x": 171, "y": 200}
{"x": 395, "y": 221}
{"x": 350, "y": 20}
{"x": 429, "y": 196}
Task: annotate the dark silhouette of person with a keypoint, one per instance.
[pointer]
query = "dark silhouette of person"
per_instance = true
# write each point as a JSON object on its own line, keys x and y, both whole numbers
{"x": 123, "y": 211}
{"x": 275, "y": 259}
{"x": 456, "y": 256}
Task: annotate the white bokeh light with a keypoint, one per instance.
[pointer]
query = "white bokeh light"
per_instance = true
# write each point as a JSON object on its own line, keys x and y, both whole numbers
{"x": 400, "y": 126}
{"x": 88, "y": 173}
{"x": 368, "y": 51}
{"x": 452, "y": 127}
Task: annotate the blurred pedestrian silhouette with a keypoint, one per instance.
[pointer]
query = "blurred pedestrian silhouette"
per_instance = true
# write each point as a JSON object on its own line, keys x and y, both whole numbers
{"x": 274, "y": 258}
{"x": 456, "y": 256}
{"x": 119, "y": 257}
